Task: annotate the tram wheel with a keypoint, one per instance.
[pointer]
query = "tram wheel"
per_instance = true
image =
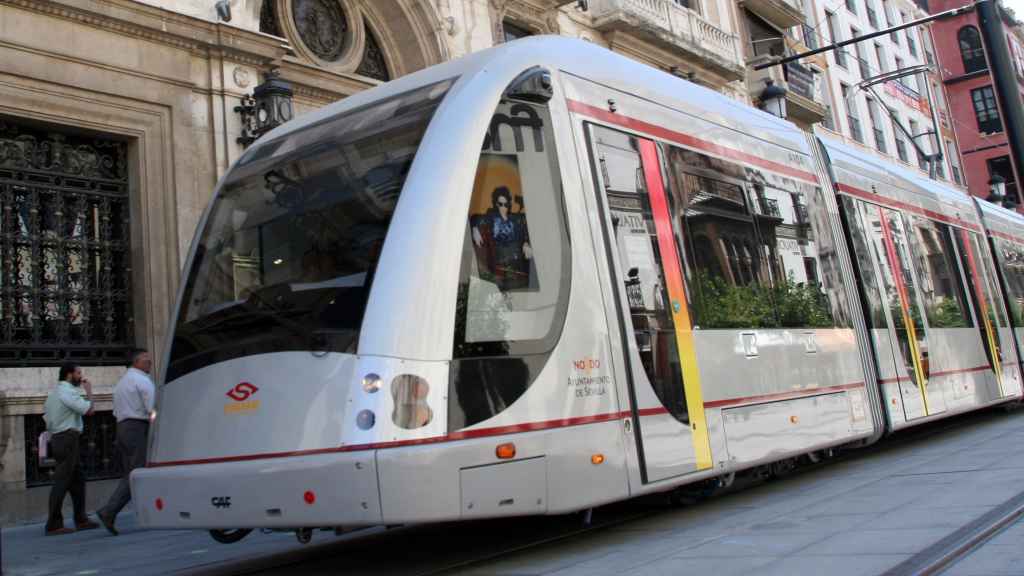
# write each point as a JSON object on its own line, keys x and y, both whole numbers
{"x": 230, "y": 536}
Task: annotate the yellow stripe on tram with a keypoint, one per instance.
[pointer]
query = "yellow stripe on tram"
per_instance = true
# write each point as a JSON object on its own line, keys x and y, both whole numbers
{"x": 680, "y": 312}
{"x": 908, "y": 321}
{"x": 979, "y": 287}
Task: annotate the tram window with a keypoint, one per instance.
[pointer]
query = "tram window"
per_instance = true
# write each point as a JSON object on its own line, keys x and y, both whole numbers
{"x": 945, "y": 303}
{"x": 288, "y": 253}
{"x": 514, "y": 277}
{"x": 870, "y": 287}
{"x": 986, "y": 272}
{"x": 1011, "y": 261}
{"x": 758, "y": 258}
{"x": 641, "y": 265}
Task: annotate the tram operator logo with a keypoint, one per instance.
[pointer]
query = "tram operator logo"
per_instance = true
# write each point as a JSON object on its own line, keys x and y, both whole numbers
{"x": 242, "y": 395}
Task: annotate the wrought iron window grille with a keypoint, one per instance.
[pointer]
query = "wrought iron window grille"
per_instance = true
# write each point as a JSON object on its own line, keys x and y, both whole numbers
{"x": 98, "y": 453}
{"x": 65, "y": 249}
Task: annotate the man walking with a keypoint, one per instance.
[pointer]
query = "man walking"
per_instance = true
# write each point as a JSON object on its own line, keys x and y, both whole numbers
{"x": 133, "y": 405}
{"x": 63, "y": 413}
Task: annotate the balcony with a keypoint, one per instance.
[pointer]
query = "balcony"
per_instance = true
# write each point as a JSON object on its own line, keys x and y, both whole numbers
{"x": 632, "y": 26}
{"x": 804, "y": 98}
{"x": 782, "y": 13}
{"x": 770, "y": 207}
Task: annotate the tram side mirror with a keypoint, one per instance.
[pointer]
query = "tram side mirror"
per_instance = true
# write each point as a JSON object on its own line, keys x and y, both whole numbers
{"x": 534, "y": 85}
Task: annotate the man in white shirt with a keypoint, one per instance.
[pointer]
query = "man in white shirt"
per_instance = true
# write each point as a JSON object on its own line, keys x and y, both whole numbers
{"x": 133, "y": 405}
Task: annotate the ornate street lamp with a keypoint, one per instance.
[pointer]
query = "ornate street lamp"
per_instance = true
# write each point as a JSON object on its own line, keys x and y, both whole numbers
{"x": 773, "y": 99}
{"x": 269, "y": 106}
{"x": 996, "y": 189}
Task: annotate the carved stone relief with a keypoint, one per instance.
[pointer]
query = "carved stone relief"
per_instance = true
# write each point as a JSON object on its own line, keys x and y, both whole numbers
{"x": 322, "y": 26}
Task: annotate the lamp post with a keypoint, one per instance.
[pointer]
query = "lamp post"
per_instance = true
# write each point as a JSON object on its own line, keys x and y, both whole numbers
{"x": 773, "y": 99}
{"x": 269, "y": 106}
{"x": 996, "y": 189}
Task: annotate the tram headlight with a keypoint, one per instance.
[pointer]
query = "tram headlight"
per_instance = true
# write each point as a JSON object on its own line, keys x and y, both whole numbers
{"x": 410, "y": 397}
{"x": 371, "y": 383}
{"x": 366, "y": 419}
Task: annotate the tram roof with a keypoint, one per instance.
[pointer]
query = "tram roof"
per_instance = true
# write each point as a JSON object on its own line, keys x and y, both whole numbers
{"x": 586, "y": 60}
{"x": 908, "y": 182}
{"x": 1006, "y": 223}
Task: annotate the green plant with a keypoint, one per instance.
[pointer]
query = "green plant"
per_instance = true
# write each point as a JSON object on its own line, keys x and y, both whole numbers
{"x": 946, "y": 313}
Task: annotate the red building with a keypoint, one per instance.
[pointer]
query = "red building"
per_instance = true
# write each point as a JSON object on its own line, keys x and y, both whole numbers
{"x": 970, "y": 91}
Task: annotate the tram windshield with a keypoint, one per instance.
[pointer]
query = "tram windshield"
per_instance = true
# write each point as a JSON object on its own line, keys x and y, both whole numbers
{"x": 288, "y": 253}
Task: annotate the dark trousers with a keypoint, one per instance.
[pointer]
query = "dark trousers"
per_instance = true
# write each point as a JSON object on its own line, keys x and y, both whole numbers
{"x": 66, "y": 478}
{"x": 131, "y": 444}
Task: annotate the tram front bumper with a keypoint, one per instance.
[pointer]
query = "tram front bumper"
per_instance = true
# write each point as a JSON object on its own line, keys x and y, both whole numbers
{"x": 333, "y": 489}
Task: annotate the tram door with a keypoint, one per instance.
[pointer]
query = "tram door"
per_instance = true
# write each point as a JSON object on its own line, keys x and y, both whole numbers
{"x": 996, "y": 338}
{"x": 907, "y": 332}
{"x": 649, "y": 300}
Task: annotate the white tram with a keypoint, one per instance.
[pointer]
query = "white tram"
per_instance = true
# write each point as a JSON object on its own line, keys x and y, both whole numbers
{"x": 545, "y": 277}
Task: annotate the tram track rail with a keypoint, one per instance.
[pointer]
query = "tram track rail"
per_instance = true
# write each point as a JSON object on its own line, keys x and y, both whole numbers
{"x": 949, "y": 551}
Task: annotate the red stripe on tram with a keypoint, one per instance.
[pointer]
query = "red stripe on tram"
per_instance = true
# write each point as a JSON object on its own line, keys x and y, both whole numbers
{"x": 688, "y": 140}
{"x": 1006, "y": 236}
{"x": 900, "y": 205}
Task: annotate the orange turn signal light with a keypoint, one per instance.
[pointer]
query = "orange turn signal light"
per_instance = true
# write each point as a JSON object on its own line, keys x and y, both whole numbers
{"x": 794, "y": 419}
{"x": 597, "y": 459}
{"x": 505, "y": 451}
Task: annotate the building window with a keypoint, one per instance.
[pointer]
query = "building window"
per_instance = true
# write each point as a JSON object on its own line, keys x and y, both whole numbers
{"x": 1001, "y": 166}
{"x": 985, "y": 110}
{"x": 840, "y": 53}
{"x": 911, "y": 43}
{"x": 971, "y": 51}
{"x": 880, "y": 53}
{"x": 876, "y": 125}
{"x": 764, "y": 38}
{"x": 97, "y": 451}
{"x": 851, "y": 5}
{"x": 65, "y": 249}
{"x": 862, "y": 59}
{"x": 915, "y": 131}
{"x": 901, "y": 144}
{"x": 895, "y": 35}
{"x": 269, "y": 22}
{"x": 810, "y": 36}
{"x": 512, "y": 32}
{"x": 954, "y": 162}
{"x": 852, "y": 119}
{"x": 872, "y": 15}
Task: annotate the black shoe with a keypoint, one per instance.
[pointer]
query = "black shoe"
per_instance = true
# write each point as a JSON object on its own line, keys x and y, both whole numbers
{"x": 86, "y": 525}
{"x": 108, "y": 522}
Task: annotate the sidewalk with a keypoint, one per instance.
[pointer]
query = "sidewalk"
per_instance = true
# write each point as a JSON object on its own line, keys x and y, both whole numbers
{"x": 29, "y": 506}
{"x": 27, "y": 552}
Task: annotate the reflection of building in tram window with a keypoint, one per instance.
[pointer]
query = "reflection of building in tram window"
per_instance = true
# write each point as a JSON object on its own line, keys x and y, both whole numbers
{"x": 500, "y": 234}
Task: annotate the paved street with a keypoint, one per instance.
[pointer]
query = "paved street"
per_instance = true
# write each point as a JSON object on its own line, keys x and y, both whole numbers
{"x": 861, "y": 515}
